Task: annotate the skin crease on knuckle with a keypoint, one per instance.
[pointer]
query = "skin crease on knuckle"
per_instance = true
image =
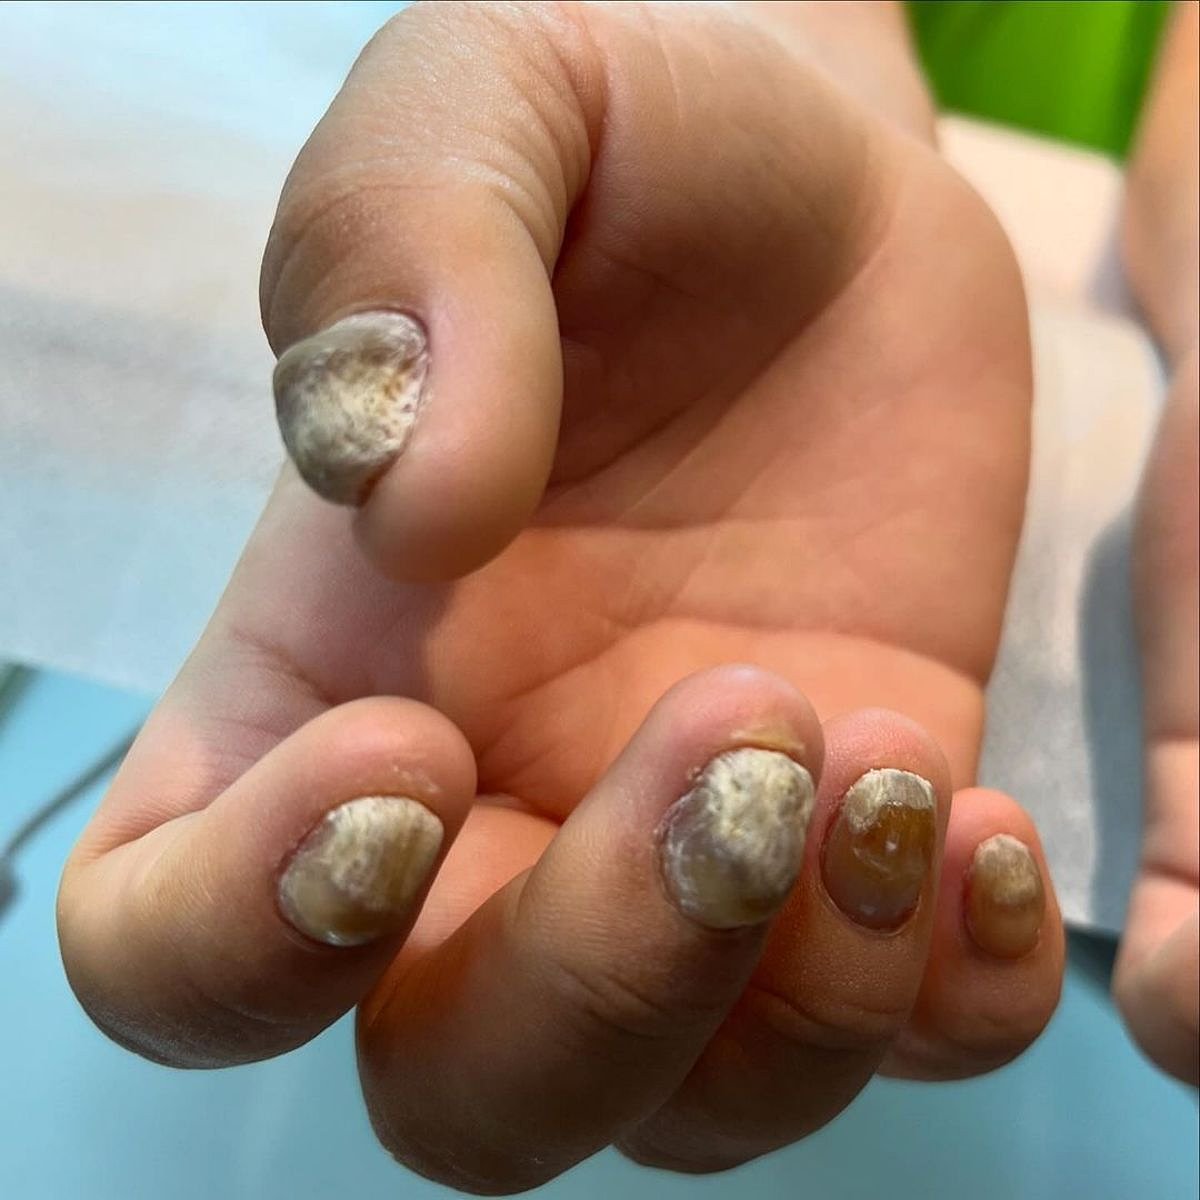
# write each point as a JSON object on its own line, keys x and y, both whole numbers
{"x": 837, "y": 1024}
{"x": 604, "y": 1002}
{"x": 989, "y": 1040}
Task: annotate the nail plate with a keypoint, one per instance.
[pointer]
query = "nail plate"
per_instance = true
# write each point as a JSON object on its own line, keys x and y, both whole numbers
{"x": 879, "y": 848}
{"x": 1005, "y": 897}
{"x": 347, "y": 400}
{"x": 731, "y": 848}
{"x": 354, "y": 877}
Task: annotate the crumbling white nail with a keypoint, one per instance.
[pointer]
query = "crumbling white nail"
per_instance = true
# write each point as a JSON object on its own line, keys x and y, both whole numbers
{"x": 353, "y": 878}
{"x": 347, "y": 399}
{"x": 883, "y": 788}
{"x": 732, "y": 847}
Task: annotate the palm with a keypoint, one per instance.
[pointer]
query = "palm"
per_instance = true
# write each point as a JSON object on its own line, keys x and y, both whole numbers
{"x": 832, "y": 494}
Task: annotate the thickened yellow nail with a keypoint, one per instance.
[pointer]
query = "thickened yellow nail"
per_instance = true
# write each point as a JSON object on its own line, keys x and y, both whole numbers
{"x": 1005, "y": 897}
{"x": 731, "y": 848}
{"x": 354, "y": 877}
{"x": 347, "y": 400}
{"x": 879, "y": 849}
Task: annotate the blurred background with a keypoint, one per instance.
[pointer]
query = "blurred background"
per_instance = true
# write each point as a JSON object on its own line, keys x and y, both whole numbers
{"x": 142, "y": 148}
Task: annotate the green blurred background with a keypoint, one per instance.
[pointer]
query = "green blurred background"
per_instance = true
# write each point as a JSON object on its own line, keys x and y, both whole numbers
{"x": 1075, "y": 70}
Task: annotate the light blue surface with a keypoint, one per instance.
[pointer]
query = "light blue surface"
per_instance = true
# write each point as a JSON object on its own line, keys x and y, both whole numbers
{"x": 265, "y": 70}
{"x": 1079, "y": 1115}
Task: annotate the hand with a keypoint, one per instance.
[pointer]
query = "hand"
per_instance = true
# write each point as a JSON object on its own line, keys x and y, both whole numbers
{"x": 1157, "y": 980}
{"x": 720, "y": 368}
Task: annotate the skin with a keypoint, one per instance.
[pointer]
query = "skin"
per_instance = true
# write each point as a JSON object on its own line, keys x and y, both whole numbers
{"x": 700, "y": 395}
{"x": 1157, "y": 979}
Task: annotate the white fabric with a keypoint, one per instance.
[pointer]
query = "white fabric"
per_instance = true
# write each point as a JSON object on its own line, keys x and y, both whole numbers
{"x": 1063, "y": 705}
{"x": 141, "y": 153}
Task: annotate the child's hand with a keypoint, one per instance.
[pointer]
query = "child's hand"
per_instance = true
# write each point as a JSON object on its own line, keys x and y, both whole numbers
{"x": 721, "y": 368}
{"x": 1158, "y": 974}
{"x": 1157, "y": 980}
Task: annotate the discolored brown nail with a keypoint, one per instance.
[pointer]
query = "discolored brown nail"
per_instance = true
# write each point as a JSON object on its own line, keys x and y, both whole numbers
{"x": 731, "y": 848}
{"x": 879, "y": 849}
{"x": 347, "y": 399}
{"x": 1005, "y": 897}
{"x": 354, "y": 877}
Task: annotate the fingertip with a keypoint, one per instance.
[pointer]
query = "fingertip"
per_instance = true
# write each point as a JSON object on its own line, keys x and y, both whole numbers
{"x": 358, "y": 747}
{"x": 625, "y": 945}
{"x": 862, "y": 909}
{"x": 429, "y": 399}
{"x": 1158, "y": 998}
{"x": 835, "y": 982}
{"x": 241, "y": 928}
{"x": 470, "y": 464}
{"x": 716, "y": 788}
{"x": 870, "y": 738}
{"x": 454, "y": 502}
{"x": 998, "y": 952}
{"x": 994, "y": 857}
{"x": 734, "y": 703}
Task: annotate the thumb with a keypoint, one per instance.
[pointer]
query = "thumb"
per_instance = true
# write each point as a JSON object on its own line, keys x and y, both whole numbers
{"x": 411, "y": 276}
{"x": 407, "y": 274}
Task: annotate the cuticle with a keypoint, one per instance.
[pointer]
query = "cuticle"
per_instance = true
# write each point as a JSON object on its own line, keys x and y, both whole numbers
{"x": 695, "y": 772}
{"x": 370, "y": 310}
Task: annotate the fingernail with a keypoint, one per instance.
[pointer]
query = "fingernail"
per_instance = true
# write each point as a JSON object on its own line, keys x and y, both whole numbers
{"x": 731, "y": 848}
{"x": 1006, "y": 898}
{"x": 353, "y": 878}
{"x": 879, "y": 848}
{"x": 347, "y": 399}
